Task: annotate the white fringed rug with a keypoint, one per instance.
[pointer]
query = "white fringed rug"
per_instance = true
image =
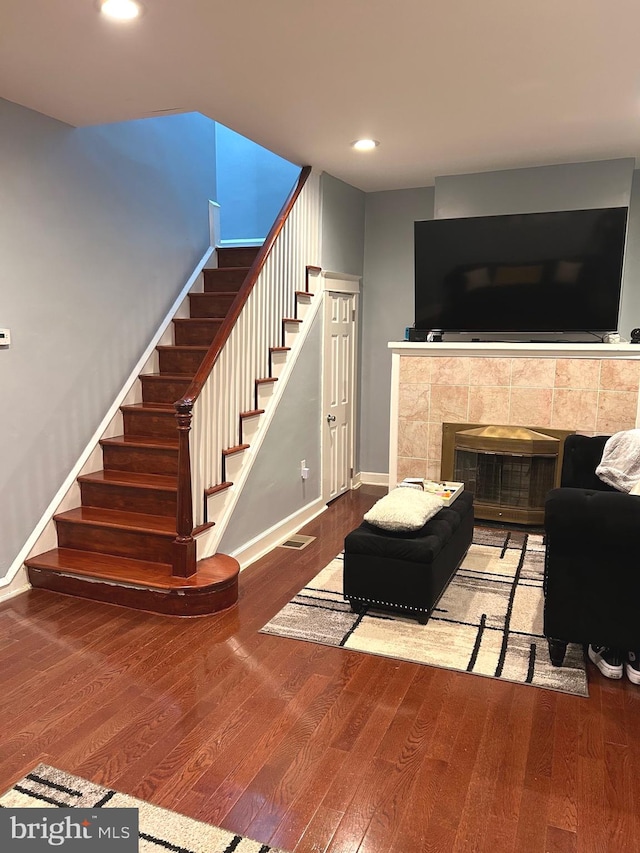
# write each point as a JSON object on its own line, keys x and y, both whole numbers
{"x": 488, "y": 621}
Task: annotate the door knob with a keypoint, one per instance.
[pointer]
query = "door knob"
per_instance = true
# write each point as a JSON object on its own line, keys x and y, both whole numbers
{"x": 330, "y": 418}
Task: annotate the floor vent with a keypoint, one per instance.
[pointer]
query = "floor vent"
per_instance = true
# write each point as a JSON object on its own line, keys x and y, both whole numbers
{"x": 297, "y": 541}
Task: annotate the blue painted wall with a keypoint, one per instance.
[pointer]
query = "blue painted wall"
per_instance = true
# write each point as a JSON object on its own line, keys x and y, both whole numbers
{"x": 253, "y": 184}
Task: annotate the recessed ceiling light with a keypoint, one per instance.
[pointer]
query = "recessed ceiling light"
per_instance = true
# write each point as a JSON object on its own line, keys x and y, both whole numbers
{"x": 121, "y": 10}
{"x": 365, "y": 144}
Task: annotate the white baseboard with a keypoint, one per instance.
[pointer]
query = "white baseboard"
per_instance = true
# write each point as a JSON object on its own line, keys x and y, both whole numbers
{"x": 371, "y": 478}
{"x": 18, "y": 585}
{"x": 269, "y": 539}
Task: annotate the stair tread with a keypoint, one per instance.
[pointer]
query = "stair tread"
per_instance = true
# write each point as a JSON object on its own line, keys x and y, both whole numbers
{"x": 170, "y": 377}
{"x": 164, "y": 525}
{"x": 142, "y": 441}
{"x": 280, "y": 349}
{"x": 238, "y": 447}
{"x": 221, "y": 487}
{"x": 215, "y": 293}
{"x": 231, "y": 267}
{"x": 131, "y": 478}
{"x": 188, "y": 320}
{"x": 186, "y": 347}
{"x": 251, "y": 413}
{"x": 127, "y": 570}
{"x": 158, "y": 407}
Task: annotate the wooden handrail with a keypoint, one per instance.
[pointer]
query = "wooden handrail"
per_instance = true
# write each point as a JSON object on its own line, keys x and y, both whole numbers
{"x": 198, "y": 381}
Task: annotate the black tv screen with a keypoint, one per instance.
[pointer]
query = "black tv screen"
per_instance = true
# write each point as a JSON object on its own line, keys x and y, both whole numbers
{"x": 532, "y": 272}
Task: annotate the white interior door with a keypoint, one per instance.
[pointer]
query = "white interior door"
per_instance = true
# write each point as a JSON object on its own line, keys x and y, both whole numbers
{"x": 338, "y": 392}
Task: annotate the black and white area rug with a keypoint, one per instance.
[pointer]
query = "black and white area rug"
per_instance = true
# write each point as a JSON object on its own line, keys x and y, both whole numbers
{"x": 488, "y": 621}
{"x": 160, "y": 829}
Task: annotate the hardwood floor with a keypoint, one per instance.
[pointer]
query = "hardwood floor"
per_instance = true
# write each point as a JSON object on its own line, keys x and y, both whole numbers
{"x": 307, "y": 747}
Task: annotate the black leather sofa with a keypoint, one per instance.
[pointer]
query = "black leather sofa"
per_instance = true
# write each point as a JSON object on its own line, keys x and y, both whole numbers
{"x": 592, "y": 563}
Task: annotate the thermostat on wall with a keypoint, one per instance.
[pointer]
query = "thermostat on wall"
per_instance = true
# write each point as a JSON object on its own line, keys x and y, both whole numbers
{"x": 5, "y": 337}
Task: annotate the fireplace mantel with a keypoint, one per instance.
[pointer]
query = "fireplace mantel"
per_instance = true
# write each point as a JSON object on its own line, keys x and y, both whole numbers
{"x": 592, "y": 388}
{"x": 516, "y": 350}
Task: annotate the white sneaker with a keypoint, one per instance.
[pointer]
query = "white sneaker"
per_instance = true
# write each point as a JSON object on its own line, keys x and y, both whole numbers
{"x": 632, "y": 667}
{"x": 608, "y": 661}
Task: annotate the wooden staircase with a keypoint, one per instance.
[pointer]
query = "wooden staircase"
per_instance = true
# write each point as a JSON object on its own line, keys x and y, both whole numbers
{"x": 118, "y": 545}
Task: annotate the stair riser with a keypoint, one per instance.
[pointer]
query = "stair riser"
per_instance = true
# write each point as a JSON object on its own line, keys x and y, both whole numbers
{"x": 210, "y": 304}
{"x": 155, "y": 390}
{"x": 196, "y": 333}
{"x": 141, "y": 460}
{"x": 129, "y": 498}
{"x": 237, "y": 256}
{"x": 162, "y": 425}
{"x": 179, "y": 361}
{"x": 223, "y": 279}
{"x": 113, "y": 540}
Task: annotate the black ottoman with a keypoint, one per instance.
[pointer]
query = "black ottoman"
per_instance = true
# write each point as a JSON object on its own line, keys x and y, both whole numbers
{"x": 407, "y": 572}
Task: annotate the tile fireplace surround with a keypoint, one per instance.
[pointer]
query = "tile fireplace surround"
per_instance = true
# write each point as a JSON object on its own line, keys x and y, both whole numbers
{"x": 592, "y": 388}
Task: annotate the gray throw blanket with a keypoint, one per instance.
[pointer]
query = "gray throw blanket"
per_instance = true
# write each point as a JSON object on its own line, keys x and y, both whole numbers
{"x": 620, "y": 463}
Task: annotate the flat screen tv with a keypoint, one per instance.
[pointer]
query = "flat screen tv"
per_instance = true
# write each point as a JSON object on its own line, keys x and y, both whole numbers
{"x": 533, "y": 272}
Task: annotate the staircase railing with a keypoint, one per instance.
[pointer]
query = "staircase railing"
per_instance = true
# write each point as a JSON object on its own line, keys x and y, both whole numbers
{"x": 208, "y": 415}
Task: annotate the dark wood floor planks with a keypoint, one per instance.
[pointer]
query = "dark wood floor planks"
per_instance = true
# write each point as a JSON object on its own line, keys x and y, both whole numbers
{"x": 308, "y": 747}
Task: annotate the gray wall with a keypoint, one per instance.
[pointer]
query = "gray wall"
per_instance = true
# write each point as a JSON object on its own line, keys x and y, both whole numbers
{"x": 630, "y": 302}
{"x": 253, "y": 184}
{"x": 387, "y": 308}
{"x": 570, "y": 186}
{"x": 274, "y": 489}
{"x": 343, "y": 209}
{"x": 99, "y": 229}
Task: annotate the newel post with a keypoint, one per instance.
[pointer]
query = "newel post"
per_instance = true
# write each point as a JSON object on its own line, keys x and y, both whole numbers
{"x": 184, "y": 545}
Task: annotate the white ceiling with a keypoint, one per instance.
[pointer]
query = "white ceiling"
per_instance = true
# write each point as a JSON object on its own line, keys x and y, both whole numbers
{"x": 446, "y": 86}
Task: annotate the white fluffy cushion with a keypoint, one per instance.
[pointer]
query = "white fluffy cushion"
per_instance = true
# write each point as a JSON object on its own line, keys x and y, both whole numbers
{"x": 403, "y": 509}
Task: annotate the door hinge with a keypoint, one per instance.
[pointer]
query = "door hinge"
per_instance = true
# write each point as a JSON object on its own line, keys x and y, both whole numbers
{"x": 351, "y": 472}
{"x": 353, "y": 315}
